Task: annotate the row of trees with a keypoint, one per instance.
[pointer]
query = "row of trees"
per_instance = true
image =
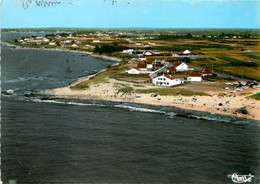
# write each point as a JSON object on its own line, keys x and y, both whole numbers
{"x": 109, "y": 48}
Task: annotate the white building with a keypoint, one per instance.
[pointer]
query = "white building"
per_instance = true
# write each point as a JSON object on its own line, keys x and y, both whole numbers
{"x": 52, "y": 43}
{"x": 74, "y": 45}
{"x": 128, "y": 51}
{"x": 207, "y": 72}
{"x": 148, "y": 53}
{"x": 194, "y": 77}
{"x": 181, "y": 67}
{"x": 96, "y": 41}
{"x": 45, "y": 40}
{"x": 167, "y": 80}
{"x": 186, "y": 52}
{"x": 134, "y": 70}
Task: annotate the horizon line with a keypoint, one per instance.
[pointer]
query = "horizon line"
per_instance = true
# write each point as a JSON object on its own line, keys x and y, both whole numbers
{"x": 122, "y": 28}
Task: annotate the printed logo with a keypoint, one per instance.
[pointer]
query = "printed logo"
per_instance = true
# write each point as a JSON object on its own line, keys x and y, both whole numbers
{"x": 241, "y": 178}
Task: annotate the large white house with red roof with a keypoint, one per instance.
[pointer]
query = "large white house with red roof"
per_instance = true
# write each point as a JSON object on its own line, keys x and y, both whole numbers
{"x": 167, "y": 80}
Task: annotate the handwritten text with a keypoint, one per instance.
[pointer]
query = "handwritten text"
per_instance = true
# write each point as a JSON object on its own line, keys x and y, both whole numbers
{"x": 40, "y": 3}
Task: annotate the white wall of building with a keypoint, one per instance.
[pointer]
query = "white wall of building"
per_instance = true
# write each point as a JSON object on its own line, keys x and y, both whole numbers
{"x": 194, "y": 79}
{"x": 165, "y": 81}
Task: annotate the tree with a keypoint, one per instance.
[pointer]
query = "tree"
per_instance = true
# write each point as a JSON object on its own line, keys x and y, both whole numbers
{"x": 189, "y": 35}
{"x": 247, "y": 35}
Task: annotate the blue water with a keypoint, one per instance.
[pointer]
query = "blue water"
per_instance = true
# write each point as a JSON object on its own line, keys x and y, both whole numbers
{"x": 67, "y": 141}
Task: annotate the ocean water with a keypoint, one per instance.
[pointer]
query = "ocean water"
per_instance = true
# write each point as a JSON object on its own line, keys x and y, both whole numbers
{"x": 68, "y": 141}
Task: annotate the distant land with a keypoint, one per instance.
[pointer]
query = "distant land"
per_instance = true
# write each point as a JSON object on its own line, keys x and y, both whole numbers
{"x": 145, "y": 30}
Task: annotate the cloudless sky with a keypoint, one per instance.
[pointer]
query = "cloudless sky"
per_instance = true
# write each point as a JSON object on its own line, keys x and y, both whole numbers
{"x": 132, "y": 13}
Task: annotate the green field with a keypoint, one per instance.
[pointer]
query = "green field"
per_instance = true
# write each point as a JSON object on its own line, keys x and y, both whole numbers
{"x": 253, "y": 56}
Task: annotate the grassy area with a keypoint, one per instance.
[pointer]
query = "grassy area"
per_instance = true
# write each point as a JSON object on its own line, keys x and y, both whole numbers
{"x": 126, "y": 90}
{"x": 255, "y": 96}
{"x": 171, "y": 92}
{"x": 126, "y": 75}
{"x": 205, "y": 59}
{"x": 139, "y": 86}
{"x": 253, "y": 56}
{"x": 101, "y": 77}
{"x": 192, "y": 47}
{"x": 238, "y": 71}
{"x": 238, "y": 62}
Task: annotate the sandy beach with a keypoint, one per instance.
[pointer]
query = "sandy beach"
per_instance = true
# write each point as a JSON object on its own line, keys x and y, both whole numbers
{"x": 109, "y": 91}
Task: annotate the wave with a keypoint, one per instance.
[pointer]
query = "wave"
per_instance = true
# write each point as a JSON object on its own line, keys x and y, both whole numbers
{"x": 64, "y": 102}
{"x": 139, "y": 109}
{"x": 136, "y": 108}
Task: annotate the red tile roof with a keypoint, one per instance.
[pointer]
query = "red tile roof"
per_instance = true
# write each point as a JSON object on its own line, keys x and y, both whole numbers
{"x": 195, "y": 74}
{"x": 169, "y": 77}
{"x": 207, "y": 71}
{"x": 141, "y": 65}
{"x": 172, "y": 68}
{"x": 177, "y": 64}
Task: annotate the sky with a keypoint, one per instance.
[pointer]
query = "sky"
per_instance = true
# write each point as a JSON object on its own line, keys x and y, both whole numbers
{"x": 131, "y": 14}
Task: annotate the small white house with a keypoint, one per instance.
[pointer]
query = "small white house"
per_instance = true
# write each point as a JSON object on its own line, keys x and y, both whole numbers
{"x": 138, "y": 43}
{"x": 134, "y": 70}
{"x": 89, "y": 46}
{"x": 142, "y": 58}
{"x": 96, "y": 41}
{"x": 148, "y": 53}
{"x": 128, "y": 51}
{"x": 74, "y": 45}
{"x": 180, "y": 67}
{"x": 194, "y": 77}
{"x": 167, "y": 80}
{"x": 45, "y": 40}
{"x": 207, "y": 72}
{"x": 186, "y": 52}
{"x": 52, "y": 43}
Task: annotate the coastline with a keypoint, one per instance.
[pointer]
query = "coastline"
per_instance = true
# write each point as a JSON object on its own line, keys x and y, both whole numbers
{"x": 66, "y": 50}
{"x": 110, "y": 91}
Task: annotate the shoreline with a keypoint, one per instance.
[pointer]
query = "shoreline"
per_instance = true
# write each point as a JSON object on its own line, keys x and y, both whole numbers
{"x": 109, "y": 91}
{"x": 66, "y": 50}
{"x": 170, "y": 111}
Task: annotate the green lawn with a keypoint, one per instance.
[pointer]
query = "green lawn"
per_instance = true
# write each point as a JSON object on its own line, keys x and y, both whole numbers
{"x": 101, "y": 77}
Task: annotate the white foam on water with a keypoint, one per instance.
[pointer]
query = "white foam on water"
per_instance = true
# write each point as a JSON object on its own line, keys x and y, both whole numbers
{"x": 64, "y": 103}
{"x": 139, "y": 109}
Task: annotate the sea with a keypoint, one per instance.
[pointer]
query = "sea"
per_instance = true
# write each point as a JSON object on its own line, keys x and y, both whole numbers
{"x": 76, "y": 141}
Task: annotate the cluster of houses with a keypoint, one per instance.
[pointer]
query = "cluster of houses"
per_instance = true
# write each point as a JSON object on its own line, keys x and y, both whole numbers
{"x": 155, "y": 68}
{"x": 45, "y": 41}
{"x": 143, "y": 53}
{"x": 145, "y": 44}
